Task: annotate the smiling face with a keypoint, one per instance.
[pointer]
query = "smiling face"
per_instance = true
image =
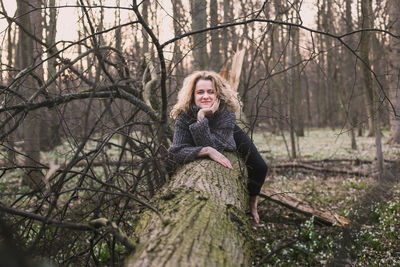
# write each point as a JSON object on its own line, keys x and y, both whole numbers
{"x": 204, "y": 93}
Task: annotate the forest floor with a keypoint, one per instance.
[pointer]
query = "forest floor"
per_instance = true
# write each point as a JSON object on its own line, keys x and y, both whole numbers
{"x": 283, "y": 237}
{"x": 373, "y": 205}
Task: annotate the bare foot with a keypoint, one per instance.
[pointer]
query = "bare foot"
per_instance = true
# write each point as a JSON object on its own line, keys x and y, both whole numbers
{"x": 253, "y": 208}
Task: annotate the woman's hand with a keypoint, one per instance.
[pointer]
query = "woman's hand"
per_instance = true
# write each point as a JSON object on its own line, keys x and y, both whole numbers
{"x": 208, "y": 111}
{"x": 216, "y": 156}
{"x": 253, "y": 208}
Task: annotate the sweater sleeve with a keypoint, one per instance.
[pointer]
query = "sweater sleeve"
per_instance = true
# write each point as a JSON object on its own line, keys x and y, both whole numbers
{"x": 183, "y": 149}
{"x": 220, "y": 137}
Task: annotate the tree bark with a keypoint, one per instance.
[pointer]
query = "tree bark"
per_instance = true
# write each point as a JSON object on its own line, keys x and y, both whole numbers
{"x": 321, "y": 91}
{"x": 49, "y": 126}
{"x": 292, "y": 96}
{"x": 394, "y": 90}
{"x": 199, "y": 21}
{"x": 145, "y": 14}
{"x": 347, "y": 93}
{"x": 204, "y": 219}
{"x": 179, "y": 20}
{"x": 297, "y": 87}
{"x": 8, "y": 99}
{"x": 225, "y": 33}
{"x": 215, "y": 58}
{"x": 28, "y": 51}
{"x": 365, "y": 45}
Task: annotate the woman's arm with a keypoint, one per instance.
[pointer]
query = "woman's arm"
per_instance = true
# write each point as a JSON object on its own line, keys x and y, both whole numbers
{"x": 221, "y": 136}
{"x": 183, "y": 148}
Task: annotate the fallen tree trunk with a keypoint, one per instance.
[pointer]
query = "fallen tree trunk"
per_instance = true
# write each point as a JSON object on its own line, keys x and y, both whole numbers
{"x": 322, "y": 215}
{"x": 204, "y": 221}
{"x": 306, "y": 166}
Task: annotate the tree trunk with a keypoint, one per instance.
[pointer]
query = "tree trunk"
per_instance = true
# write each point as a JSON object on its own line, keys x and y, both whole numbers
{"x": 49, "y": 126}
{"x": 225, "y": 32}
{"x": 349, "y": 63}
{"x": 28, "y": 50}
{"x": 331, "y": 81}
{"x": 145, "y": 15}
{"x": 321, "y": 92}
{"x": 378, "y": 140}
{"x": 215, "y": 59}
{"x": 347, "y": 96}
{"x": 292, "y": 96}
{"x": 394, "y": 77}
{"x": 8, "y": 99}
{"x": 203, "y": 209}
{"x": 298, "y": 95}
{"x": 199, "y": 21}
{"x": 365, "y": 44}
{"x": 178, "y": 12}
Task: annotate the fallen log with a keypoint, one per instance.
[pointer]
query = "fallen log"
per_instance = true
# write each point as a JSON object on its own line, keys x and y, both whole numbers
{"x": 306, "y": 166}
{"x": 204, "y": 219}
{"x": 322, "y": 215}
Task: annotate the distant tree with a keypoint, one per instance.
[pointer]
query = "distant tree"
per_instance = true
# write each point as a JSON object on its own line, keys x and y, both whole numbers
{"x": 367, "y": 22}
{"x": 226, "y": 33}
{"x": 8, "y": 99}
{"x": 348, "y": 95}
{"x": 49, "y": 128}
{"x": 331, "y": 75}
{"x": 29, "y": 53}
{"x": 276, "y": 82}
{"x": 297, "y": 82}
{"x": 179, "y": 21}
{"x": 215, "y": 53}
{"x": 198, "y": 10}
{"x": 145, "y": 13}
{"x": 320, "y": 90}
{"x": 371, "y": 94}
{"x": 291, "y": 90}
{"x": 394, "y": 26}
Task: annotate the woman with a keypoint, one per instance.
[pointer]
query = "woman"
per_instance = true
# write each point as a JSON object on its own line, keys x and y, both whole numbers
{"x": 205, "y": 126}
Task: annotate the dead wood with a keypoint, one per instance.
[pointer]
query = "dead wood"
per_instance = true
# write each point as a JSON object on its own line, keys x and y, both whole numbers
{"x": 322, "y": 215}
{"x": 307, "y": 166}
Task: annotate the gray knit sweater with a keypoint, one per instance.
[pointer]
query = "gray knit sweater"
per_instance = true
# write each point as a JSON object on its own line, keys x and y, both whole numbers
{"x": 191, "y": 136}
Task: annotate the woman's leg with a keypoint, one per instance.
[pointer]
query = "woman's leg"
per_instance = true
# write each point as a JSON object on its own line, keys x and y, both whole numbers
{"x": 256, "y": 167}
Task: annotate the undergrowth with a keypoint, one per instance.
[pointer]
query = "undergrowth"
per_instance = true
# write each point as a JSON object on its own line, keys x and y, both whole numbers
{"x": 286, "y": 238}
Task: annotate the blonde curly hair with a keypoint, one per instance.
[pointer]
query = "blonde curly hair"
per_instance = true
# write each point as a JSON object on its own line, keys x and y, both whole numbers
{"x": 222, "y": 88}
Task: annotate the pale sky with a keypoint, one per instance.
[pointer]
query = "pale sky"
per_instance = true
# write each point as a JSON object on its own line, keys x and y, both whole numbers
{"x": 68, "y": 18}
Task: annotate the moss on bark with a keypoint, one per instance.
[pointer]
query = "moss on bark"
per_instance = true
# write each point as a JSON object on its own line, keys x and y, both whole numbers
{"x": 204, "y": 220}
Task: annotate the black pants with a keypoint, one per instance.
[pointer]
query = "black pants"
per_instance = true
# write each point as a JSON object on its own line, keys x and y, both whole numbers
{"x": 256, "y": 167}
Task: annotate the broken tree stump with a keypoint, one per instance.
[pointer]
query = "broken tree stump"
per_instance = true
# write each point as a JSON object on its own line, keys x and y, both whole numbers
{"x": 205, "y": 224}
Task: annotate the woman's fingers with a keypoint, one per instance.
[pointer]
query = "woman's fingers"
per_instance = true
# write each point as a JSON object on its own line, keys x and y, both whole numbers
{"x": 200, "y": 115}
{"x": 221, "y": 159}
{"x": 208, "y": 111}
{"x": 225, "y": 163}
{"x": 215, "y": 106}
{"x": 228, "y": 164}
